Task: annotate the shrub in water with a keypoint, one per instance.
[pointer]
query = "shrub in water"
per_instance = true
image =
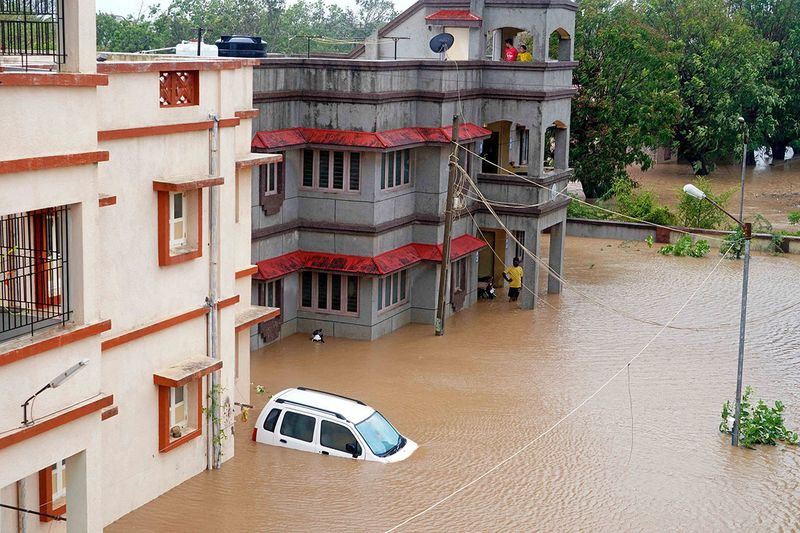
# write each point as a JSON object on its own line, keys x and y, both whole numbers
{"x": 759, "y": 423}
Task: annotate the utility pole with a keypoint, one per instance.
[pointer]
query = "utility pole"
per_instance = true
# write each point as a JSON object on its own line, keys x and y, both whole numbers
{"x": 448, "y": 227}
{"x": 742, "y": 322}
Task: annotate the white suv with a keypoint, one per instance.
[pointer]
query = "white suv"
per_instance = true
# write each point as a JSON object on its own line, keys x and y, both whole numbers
{"x": 322, "y": 422}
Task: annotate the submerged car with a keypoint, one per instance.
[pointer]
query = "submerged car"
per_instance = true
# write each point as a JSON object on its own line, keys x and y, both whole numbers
{"x": 326, "y": 423}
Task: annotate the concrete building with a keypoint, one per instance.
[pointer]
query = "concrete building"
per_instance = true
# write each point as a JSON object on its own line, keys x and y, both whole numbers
{"x": 360, "y": 200}
{"x": 121, "y": 184}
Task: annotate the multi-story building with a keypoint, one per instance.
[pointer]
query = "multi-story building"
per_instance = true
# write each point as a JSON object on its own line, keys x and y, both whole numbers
{"x": 124, "y": 261}
{"x": 347, "y": 232}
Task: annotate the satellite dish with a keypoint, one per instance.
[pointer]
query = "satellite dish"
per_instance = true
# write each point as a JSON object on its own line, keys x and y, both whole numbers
{"x": 441, "y": 43}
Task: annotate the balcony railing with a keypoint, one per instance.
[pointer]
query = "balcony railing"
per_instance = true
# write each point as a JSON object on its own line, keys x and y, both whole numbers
{"x": 34, "y": 273}
{"x": 32, "y": 34}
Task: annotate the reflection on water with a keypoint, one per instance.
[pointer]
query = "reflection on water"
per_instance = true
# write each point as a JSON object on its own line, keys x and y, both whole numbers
{"x": 770, "y": 190}
{"x": 499, "y": 377}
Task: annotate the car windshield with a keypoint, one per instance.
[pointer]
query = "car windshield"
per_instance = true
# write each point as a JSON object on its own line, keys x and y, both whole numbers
{"x": 381, "y": 437}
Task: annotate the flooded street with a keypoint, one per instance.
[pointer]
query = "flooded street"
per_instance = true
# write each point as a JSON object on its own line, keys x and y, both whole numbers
{"x": 501, "y": 376}
{"x": 772, "y": 191}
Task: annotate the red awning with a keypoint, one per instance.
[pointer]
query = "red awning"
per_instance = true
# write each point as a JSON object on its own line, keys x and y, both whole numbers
{"x": 383, "y": 140}
{"x": 380, "y": 265}
{"x": 453, "y": 14}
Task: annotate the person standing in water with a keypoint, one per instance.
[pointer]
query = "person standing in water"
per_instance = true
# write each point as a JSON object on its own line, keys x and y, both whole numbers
{"x": 513, "y": 275}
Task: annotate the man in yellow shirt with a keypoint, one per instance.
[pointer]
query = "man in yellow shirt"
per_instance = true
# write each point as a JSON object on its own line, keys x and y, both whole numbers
{"x": 513, "y": 275}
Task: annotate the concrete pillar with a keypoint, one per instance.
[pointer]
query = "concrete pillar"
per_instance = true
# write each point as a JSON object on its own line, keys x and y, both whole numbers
{"x": 556, "y": 260}
{"x": 80, "y": 36}
{"x": 535, "y": 151}
{"x": 83, "y": 494}
{"x": 497, "y": 45}
{"x": 562, "y": 148}
{"x": 531, "y": 268}
{"x": 477, "y": 37}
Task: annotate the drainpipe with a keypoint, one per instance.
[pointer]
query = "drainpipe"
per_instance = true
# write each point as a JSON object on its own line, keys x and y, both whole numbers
{"x": 213, "y": 216}
{"x": 22, "y": 524}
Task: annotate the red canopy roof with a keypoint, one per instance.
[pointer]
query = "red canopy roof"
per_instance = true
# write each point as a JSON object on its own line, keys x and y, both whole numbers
{"x": 382, "y": 140}
{"x": 453, "y": 14}
{"x": 379, "y": 265}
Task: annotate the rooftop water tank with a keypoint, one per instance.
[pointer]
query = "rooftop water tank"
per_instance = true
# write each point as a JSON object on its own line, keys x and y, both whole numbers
{"x": 189, "y": 48}
{"x": 241, "y": 46}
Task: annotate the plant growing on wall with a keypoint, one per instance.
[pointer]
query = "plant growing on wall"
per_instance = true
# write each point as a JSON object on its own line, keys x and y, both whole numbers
{"x": 686, "y": 247}
{"x": 759, "y": 423}
{"x": 212, "y": 411}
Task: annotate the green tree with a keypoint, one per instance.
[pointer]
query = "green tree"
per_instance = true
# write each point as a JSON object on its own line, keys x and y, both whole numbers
{"x": 627, "y": 96}
{"x": 721, "y": 78}
{"x": 696, "y": 213}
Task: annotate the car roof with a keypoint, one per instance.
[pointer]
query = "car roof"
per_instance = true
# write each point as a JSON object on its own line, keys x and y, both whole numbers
{"x": 353, "y": 410}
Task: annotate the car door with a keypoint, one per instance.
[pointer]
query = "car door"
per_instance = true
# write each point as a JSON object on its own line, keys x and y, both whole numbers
{"x": 296, "y": 431}
{"x": 334, "y": 439}
{"x": 266, "y": 431}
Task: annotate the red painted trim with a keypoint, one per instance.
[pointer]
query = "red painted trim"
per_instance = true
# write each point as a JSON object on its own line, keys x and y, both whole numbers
{"x": 164, "y": 444}
{"x": 105, "y": 201}
{"x": 135, "y": 67}
{"x": 43, "y": 426}
{"x": 52, "y": 161}
{"x": 187, "y": 185}
{"x": 164, "y": 129}
{"x": 166, "y": 382}
{"x": 247, "y": 272}
{"x": 221, "y": 304}
{"x": 264, "y": 318}
{"x": 41, "y": 79}
{"x": 248, "y": 113}
{"x": 54, "y": 342}
{"x": 165, "y": 258}
{"x": 113, "y": 342}
{"x": 108, "y": 413}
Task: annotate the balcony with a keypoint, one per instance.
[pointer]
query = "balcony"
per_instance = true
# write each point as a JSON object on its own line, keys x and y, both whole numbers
{"x": 32, "y": 35}
{"x": 34, "y": 273}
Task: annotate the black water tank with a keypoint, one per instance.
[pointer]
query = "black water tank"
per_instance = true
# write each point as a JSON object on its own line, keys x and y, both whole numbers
{"x": 241, "y": 46}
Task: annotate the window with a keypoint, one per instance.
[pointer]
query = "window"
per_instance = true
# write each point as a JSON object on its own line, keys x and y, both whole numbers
{"x": 53, "y": 490}
{"x": 177, "y": 226}
{"x": 180, "y": 228}
{"x": 178, "y": 413}
{"x": 518, "y": 250}
{"x": 523, "y": 139}
{"x": 179, "y": 88}
{"x": 331, "y": 170}
{"x": 460, "y": 275}
{"x": 336, "y": 436}
{"x": 393, "y": 289}
{"x": 329, "y": 293}
{"x": 395, "y": 170}
{"x": 270, "y": 293}
{"x": 297, "y": 426}
{"x": 269, "y": 176}
{"x": 272, "y": 419}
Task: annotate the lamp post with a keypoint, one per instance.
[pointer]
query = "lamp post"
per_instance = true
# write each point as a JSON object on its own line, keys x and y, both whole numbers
{"x": 54, "y": 383}
{"x": 693, "y": 191}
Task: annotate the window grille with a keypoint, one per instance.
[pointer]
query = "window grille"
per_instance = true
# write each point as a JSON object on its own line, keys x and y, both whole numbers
{"x": 34, "y": 273}
{"x": 32, "y": 34}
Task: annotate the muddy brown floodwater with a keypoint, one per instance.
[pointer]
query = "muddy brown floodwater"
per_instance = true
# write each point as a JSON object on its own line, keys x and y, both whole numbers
{"x": 772, "y": 191}
{"x": 500, "y": 377}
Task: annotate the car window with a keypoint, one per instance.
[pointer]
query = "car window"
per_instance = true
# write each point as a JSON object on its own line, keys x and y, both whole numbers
{"x": 335, "y": 436}
{"x": 272, "y": 419}
{"x": 298, "y": 426}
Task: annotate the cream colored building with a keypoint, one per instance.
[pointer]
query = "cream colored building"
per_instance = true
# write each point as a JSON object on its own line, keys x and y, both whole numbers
{"x": 124, "y": 246}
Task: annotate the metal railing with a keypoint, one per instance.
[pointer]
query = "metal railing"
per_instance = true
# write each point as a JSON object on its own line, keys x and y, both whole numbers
{"x": 32, "y": 34}
{"x": 34, "y": 273}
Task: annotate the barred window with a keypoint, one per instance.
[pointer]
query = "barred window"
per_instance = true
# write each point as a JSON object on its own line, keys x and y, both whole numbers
{"x": 330, "y": 170}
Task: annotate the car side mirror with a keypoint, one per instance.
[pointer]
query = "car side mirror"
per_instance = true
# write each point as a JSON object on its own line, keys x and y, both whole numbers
{"x": 353, "y": 449}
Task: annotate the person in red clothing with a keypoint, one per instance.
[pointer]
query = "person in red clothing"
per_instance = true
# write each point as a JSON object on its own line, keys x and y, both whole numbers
{"x": 509, "y": 52}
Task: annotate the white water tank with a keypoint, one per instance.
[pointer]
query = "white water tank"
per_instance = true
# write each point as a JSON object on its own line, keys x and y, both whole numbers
{"x": 189, "y": 48}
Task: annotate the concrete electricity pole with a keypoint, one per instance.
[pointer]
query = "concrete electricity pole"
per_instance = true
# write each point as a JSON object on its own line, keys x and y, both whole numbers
{"x": 448, "y": 227}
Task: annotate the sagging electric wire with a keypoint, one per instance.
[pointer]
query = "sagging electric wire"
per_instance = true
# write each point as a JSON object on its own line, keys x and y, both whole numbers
{"x": 574, "y": 199}
{"x": 571, "y": 412}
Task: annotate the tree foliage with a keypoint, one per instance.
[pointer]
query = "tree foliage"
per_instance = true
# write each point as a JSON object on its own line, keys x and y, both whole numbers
{"x": 284, "y": 28}
{"x": 627, "y": 96}
{"x": 697, "y": 213}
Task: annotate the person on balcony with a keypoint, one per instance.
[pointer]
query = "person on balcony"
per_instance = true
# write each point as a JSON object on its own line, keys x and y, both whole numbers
{"x": 524, "y": 56}
{"x": 509, "y": 52}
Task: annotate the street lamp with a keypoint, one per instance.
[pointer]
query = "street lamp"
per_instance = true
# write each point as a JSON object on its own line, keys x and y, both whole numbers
{"x": 693, "y": 191}
{"x": 54, "y": 383}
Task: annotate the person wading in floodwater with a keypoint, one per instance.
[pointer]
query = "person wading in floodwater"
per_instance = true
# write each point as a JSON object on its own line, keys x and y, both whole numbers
{"x": 513, "y": 275}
